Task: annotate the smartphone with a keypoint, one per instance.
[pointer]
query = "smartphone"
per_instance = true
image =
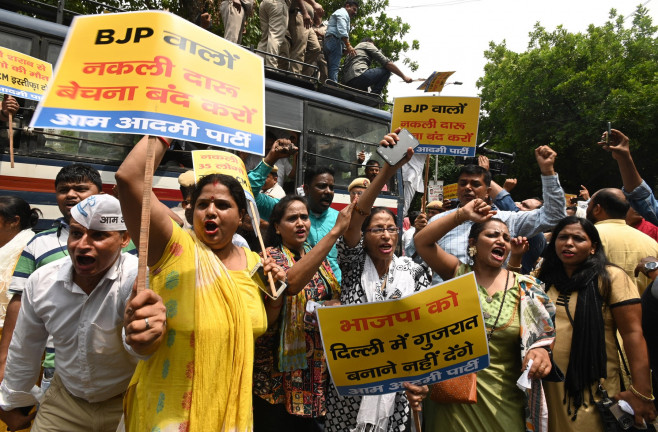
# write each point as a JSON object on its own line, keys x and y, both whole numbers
{"x": 259, "y": 276}
{"x": 396, "y": 153}
{"x": 607, "y": 136}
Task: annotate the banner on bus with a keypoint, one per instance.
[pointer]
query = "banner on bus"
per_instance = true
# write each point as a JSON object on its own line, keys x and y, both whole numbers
{"x": 444, "y": 125}
{"x": 158, "y": 74}
{"x": 23, "y": 76}
{"x": 430, "y": 336}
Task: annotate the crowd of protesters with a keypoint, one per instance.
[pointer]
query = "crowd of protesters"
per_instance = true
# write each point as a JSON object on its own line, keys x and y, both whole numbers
{"x": 202, "y": 348}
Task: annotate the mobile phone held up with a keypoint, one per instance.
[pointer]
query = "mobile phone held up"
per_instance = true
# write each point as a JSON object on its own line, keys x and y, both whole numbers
{"x": 396, "y": 153}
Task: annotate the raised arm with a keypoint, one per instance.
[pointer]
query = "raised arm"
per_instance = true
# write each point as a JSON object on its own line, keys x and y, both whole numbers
{"x": 130, "y": 183}
{"x": 365, "y": 202}
{"x": 301, "y": 273}
{"x": 439, "y": 260}
{"x": 529, "y": 223}
{"x": 618, "y": 145}
{"x": 637, "y": 192}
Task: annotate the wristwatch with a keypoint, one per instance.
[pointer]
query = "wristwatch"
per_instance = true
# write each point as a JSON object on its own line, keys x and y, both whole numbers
{"x": 650, "y": 266}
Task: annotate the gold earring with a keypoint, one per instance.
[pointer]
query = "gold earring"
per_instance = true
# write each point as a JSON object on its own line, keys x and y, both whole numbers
{"x": 472, "y": 251}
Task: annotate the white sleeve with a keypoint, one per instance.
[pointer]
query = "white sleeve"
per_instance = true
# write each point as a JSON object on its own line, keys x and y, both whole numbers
{"x": 25, "y": 352}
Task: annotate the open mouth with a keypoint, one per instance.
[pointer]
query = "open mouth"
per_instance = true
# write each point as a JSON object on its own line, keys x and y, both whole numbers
{"x": 85, "y": 260}
{"x": 211, "y": 227}
{"x": 568, "y": 254}
{"x": 300, "y": 233}
{"x": 385, "y": 248}
{"x": 498, "y": 253}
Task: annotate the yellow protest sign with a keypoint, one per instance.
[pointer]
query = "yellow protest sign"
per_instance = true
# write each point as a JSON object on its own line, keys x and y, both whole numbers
{"x": 430, "y": 336}
{"x": 220, "y": 162}
{"x": 23, "y": 76}
{"x": 450, "y": 191}
{"x": 443, "y": 125}
{"x": 156, "y": 73}
{"x": 435, "y": 82}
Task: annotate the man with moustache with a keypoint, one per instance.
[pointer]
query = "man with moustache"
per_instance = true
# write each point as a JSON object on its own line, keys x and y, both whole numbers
{"x": 474, "y": 182}
{"x": 319, "y": 191}
{"x": 83, "y": 301}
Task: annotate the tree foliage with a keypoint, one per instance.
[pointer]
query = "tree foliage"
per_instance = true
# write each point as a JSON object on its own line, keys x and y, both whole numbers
{"x": 564, "y": 89}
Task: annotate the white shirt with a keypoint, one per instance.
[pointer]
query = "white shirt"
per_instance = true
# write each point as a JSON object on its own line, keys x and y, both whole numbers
{"x": 91, "y": 360}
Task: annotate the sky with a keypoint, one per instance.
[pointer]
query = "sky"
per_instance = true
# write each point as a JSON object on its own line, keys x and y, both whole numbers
{"x": 454, "y": 34}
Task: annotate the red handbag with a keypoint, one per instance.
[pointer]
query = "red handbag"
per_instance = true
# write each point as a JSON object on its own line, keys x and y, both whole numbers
{"x": 462, "y": 389}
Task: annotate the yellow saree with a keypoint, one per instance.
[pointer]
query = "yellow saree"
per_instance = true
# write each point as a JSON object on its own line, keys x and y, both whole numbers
{"x": 200, "y": 377}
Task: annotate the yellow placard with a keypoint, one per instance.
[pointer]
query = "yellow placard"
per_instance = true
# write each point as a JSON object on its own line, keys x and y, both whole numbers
{"x": 443, "y": 125}
{"x": 156, "y": 73}
{"x": 430, "y": 336}
{"x": 568, "y": 197}
{"x": 23, "y": 76}
{"x": 220, "y": 162}
{"x": 450, "y": 191}
{"x": 435, "y": 82}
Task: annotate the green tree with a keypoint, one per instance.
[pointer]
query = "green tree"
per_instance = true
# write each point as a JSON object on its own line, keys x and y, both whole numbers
{"x": 563, "y": 90}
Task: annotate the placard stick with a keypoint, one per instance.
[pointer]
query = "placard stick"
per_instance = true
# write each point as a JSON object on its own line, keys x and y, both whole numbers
{"x": 145, "y": 224}
{"x": 427, "y": 173}
{"x": 10, "y": 117}
{"x": 262, "y": 246}
{"x": 417, "y": 421}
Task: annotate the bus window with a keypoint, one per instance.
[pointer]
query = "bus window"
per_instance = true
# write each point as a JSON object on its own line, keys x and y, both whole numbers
{"x": 335, "y": 139}
{"x": 84, "y": 145}
{"x": 15, "y": 42}
{"x": 52, "y": 51}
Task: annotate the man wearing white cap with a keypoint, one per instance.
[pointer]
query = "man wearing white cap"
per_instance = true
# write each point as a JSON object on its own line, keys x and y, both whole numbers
{"x": 81, "y": 301}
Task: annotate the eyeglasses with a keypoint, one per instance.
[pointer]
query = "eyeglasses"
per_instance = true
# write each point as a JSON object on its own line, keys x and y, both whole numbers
{"x": 380, "y": 230}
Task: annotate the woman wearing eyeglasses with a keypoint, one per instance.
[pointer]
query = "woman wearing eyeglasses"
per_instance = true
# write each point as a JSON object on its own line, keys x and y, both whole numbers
{"x": 371, "y": 273}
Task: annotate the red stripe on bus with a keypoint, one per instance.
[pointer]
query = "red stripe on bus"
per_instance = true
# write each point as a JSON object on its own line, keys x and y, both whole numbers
{"x": 31, "y": 184}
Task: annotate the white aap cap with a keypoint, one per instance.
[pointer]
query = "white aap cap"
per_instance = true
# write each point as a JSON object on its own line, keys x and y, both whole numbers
{"x": 99, "y": 213}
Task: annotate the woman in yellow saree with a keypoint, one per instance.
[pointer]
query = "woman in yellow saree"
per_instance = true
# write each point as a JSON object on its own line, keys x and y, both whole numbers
{"x": 198, "y": 377}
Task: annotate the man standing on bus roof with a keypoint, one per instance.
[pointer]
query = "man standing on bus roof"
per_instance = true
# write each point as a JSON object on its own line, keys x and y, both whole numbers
{"x": 234, "y": 16}
{"x": 337, "y": 37}
{"x": 82, "y": 300}
{"x": 358, "y": 74}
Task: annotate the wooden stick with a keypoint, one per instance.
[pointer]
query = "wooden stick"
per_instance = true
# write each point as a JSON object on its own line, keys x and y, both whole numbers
{"x": 10, "y": 117}
{"x": 145, "y": 224}
{"x": 417, "y": 421}
{"x": 256, "y": 226}
{"x": 427, "y": 173}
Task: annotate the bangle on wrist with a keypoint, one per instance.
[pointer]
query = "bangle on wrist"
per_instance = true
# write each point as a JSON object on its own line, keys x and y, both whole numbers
{"x": 164, "y": 141}
{"x": 457, "y": 217}
{"x": 361, "y": 211}
{"x": 649, "y": 398}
